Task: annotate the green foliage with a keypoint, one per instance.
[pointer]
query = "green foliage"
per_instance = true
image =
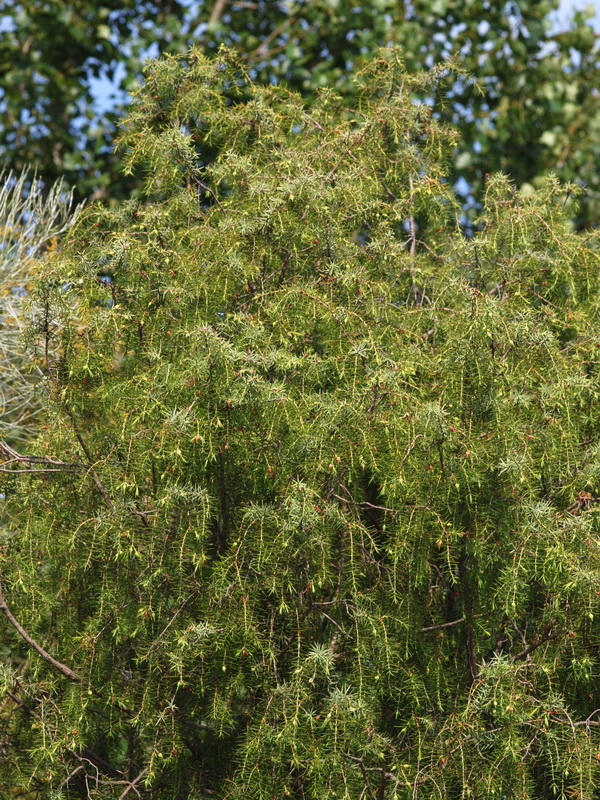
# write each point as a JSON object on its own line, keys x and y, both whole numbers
{"x": 535, "y": 110}
{"x": 318, "y": 511}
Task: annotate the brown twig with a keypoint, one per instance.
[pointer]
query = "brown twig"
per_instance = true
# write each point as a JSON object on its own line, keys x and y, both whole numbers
{"x": 583, "y": 500}
{"x": 411, "y": 220}
{"x": 364, "y": 504}
{"x": 71, "y": 775}
{"x": 133, "y": 783}
{"x": 93, "y": 472}
{"x": 333, "y": 622}
{"x": 274, "y": 33}
{"x": 169, "y": 623}
{"x": 54, "y": 465}
{"x": 361, "y": 763}
{"x": 32, "y": 471}
{"x": 314, "y": 122}
{"x": 211, "y": 192}
{"x": 388, "y": 191}
{"x": 443, "y": 625}
{"x": 385, "y": 776}
{"x": 217, "y": 11}
{"x": 546, "y": 636}
{"x": 22, "y": 705}
{"x": 62, "y": 668}
{"x": 95, "y": 760}
{"x": 416, "y": 292}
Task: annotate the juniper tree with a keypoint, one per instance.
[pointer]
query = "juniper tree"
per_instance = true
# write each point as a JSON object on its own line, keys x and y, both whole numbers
{"x": 312, "y": 513}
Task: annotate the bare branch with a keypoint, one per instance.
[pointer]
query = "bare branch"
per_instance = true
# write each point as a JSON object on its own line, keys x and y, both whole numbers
{"x": 273, "y": 35}
{"x": 385, "y": 776}
{"x": 364, "y": 504}
{"x": 95, "y": 760}
{"x": 133, "y": 783}
{"x": 314, "y": 122}
{"x": 546, "y": 636}
{"x": 32, "y": 215}
{"x": 64, "y": 670}
{"x": 215, "y": 16}
{"x": 71, "y": 775}
{"x": 411, "y": 220}
{"x": 361, "y": 763}
{"x": 443, "y": 625}
{"x": 211, "y": 192}
{"x": 54, "y": 464}
{"x": 22, "y": 705}
{"x": 333, "y": 622}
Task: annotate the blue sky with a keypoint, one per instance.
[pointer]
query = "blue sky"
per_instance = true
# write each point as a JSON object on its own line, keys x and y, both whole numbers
{"x": 568, "y": 6}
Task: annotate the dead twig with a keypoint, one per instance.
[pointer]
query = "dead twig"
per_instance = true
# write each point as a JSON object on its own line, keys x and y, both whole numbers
{"x": 273, "y": 35}
{"x": 418, "y": 296}
{"x": 411, "y": 220}
{"x": 314, "y": 122}
{"x": 71, "y": 775}
{"x": 365, "y": 504}
{"x": 99, "y": 763}
{"x": 583, "y": 500}
{"x": 385, "y": 776}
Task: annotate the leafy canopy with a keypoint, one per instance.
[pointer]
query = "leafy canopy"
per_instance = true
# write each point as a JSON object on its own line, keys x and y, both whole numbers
{"x": 313, "y": 511}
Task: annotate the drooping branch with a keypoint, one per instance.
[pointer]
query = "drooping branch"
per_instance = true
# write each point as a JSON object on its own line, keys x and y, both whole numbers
{"x": 62, "y": 668}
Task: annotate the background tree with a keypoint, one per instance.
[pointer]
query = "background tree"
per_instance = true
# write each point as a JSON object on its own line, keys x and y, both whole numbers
{"x": 537, "y": 113}
{"x": 314, "y": 511}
